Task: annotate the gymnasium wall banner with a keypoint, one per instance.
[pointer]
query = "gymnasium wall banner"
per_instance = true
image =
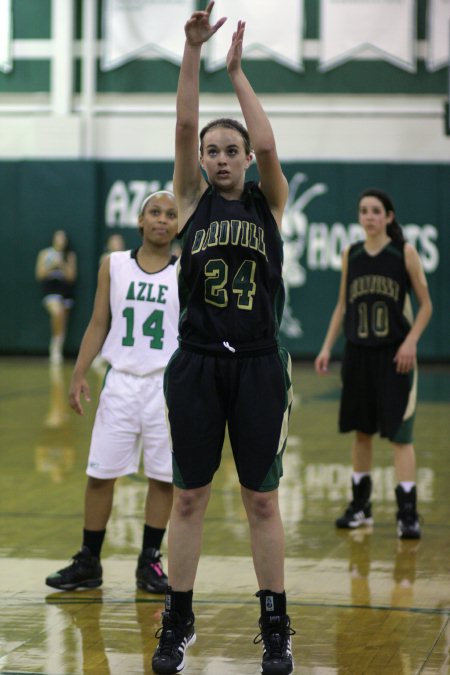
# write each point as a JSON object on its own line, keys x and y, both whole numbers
{"x": 320, "y": 221}
{"x": 384, "y": 27}
{"x": 151, "y": 26}
{"x": 5, "y": 36}
{"x": 283, "y": 46}
{"x": 438, "y": 21}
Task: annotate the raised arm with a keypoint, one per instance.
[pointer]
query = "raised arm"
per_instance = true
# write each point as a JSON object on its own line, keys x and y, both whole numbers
{"x": 272, "y": 181}
{"x": 188, "y": 180}
{"x": 334, "y": 329}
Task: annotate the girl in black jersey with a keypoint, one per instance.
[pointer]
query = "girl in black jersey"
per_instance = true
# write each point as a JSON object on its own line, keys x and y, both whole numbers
{"x": 229, "y": 370}
{"x": 379, "y": 370}
{"x": 56, "y": 269}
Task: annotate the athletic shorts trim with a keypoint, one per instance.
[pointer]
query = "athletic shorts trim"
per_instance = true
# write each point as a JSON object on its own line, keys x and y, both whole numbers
{"x": 251, "y": 396}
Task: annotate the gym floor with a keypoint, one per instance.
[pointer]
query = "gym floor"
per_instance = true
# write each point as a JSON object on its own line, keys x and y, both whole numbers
{"x": 360, "y": 602}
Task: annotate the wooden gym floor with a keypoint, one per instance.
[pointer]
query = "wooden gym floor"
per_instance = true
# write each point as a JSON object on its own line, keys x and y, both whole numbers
{"x": 360, "y": 602}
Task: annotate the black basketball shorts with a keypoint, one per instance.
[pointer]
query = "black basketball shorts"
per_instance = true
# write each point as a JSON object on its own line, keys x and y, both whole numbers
{"x": 251, "y": 394}
{"x": 375, "y": 398}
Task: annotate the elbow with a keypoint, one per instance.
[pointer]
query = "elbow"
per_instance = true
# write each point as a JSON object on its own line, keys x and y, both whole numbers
{"x": 265, "y": 149}
{"x": 184, "y": 127}
{"x": 427, "y": 306}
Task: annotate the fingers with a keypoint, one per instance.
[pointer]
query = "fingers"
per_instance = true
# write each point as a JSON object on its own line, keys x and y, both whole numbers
{"x": 403, "y": 364}
{"x": 321, "y": 365}
{"x": 75, "y": 398}
{"x": 239, "y": 32}
{"x": 74, "y": 402}
{"x": 218, "y": 24}
{"x": 404, "y": 367}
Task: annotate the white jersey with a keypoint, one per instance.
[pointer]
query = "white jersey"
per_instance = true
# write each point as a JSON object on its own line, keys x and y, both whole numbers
{"x": 144, "y": 316}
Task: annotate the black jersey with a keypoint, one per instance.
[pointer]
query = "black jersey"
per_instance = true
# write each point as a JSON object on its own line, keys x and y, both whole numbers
{"x": 378, "y": 307}
{"x": 230, "y": 283}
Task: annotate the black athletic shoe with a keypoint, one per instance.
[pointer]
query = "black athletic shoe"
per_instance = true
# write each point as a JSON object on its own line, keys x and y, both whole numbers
{"x": 359, "y": 511}
{"x": 354, "y": 517}
{"x": 85, "y": 571}
{"x": 408, "y": 526}
{"x": 175, "y": 636}
{"x": 150, "y": 576}
{"x": 275, "y": 635}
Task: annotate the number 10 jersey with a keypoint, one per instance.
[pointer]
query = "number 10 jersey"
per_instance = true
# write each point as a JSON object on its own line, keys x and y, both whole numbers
{"x": 378, "y": 307}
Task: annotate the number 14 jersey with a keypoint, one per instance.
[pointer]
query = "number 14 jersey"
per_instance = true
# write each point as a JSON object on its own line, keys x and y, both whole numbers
{"x": 144, "y": 315}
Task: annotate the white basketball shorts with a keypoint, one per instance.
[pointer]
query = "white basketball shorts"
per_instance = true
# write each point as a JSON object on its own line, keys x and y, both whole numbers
{"x": 130, "y": 421}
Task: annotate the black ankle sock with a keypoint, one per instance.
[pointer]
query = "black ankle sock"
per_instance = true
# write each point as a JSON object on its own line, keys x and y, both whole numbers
{"x": 272, "y": 604}
{"x": 152, "y": 537}
{"x": 93, "y": 539}
{"x": 179, "y": 602}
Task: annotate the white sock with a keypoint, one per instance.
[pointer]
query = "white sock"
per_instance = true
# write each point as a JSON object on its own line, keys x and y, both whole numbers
{"x": 358, "y": 475}
{"x": 56, "y": 346}
{"x": 407, "y": 485}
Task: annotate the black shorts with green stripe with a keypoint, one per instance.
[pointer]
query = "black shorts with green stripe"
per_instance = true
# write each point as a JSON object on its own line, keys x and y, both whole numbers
{"x": 376, "y": 398}
{"x": 252, "y": 395}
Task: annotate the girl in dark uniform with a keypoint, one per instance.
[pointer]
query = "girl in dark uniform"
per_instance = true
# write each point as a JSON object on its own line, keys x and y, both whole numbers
{"x": 56, "y": 269}
{"x": 379, "y": 369}
{"x": 229, "y": 370}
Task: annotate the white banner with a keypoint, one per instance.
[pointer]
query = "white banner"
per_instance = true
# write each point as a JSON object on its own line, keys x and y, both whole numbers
{"x": 132, "y": 27}
{"x": 382, "y": 27}
{"x": 5, "y": 36}
{"x": 438, "y": 20}
{"x": 274, "y": 30}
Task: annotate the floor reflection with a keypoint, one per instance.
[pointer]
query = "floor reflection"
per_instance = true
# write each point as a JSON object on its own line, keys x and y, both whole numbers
{"x": 361, "y": 602}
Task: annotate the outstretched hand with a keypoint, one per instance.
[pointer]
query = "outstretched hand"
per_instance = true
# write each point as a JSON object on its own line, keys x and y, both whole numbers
{"x": 234, "y": 55}
{"x": 198, "y": 29}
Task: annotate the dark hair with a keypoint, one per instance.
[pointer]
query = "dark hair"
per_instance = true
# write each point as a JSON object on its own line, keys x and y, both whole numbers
{"x": 67, "y": 247}
{"x": 394, "y": 229}
{"x": 148, "y": 199}
{"x": 227, "y": 123}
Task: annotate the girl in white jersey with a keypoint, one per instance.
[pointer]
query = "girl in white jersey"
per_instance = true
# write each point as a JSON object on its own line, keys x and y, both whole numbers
{"x": 134, "y": 323}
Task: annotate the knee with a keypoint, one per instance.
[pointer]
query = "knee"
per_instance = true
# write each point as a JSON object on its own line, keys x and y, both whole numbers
{"x": 364, "y": 441}
{"x": 190, "y": 503}
{"x": 262, "y": 505}
{"x": 98, "y": 484}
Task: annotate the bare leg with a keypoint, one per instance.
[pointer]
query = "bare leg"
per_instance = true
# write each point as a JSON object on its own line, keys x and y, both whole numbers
{"x": 185, "y": 535}
{"x": 57, "y": 318}
{"x": 267, "y": 537}
{"x": 362, "y": 453}
{"x": 405, "y": 462}
{"x": 98, "y": 500}
{"x": 158, "y": 503}
{"x": 57, "y": 314}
